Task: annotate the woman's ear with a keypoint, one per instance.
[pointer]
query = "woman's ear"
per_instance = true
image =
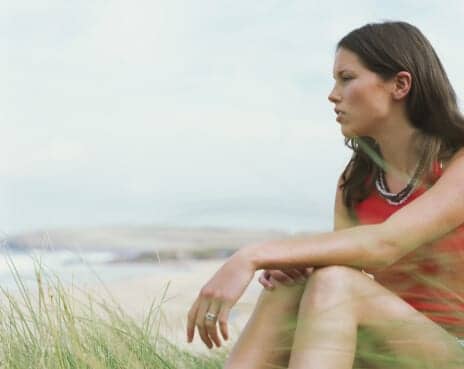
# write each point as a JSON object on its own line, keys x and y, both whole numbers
{"x": 402, "y": 85}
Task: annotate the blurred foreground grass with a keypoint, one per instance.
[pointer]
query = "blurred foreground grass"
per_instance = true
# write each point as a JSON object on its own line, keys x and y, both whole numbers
{"x": 43, "y": 325}
{"x": 46, "y": 325}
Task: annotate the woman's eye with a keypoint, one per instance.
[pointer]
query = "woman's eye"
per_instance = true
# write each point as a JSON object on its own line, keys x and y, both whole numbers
{"x": 346, "y": 78}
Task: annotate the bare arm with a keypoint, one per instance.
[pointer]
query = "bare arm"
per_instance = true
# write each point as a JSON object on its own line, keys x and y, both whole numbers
{"x": 429, "y": 217}
{"x": 342, "y": 218}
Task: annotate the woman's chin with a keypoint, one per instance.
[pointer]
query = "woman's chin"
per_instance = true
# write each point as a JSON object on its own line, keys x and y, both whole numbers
{"x": 347, "y": 132}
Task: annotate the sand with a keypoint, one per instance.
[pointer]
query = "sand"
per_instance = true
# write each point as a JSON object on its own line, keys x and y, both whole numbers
{"x": 173, "y": 247}
{"x": 181, "y": 287}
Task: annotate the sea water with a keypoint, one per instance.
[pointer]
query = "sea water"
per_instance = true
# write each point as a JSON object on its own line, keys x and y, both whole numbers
{"x": 69, "y": 267}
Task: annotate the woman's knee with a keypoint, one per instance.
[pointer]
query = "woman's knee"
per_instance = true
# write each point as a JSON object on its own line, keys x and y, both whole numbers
{"x": 283, "y": 296}
{"x": 328, "y": 285}
{"x": 331, "y": 278}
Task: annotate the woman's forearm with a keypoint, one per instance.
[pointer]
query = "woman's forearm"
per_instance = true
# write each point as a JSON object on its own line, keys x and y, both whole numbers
{"x": 360, "y": 246}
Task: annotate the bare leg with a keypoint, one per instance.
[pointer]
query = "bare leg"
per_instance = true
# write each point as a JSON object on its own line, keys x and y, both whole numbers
{"x": 267, "y": 338}
{"x": 327, "y": 328}
{"x": 338, "y": 299}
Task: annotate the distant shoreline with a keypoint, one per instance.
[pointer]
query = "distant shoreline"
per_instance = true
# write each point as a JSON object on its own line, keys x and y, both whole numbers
{"x": 175, "y": 255}
{"x": 142, "y": 243}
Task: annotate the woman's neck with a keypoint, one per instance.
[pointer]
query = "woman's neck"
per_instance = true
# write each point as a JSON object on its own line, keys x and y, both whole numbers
{"x": 399, "y": 150}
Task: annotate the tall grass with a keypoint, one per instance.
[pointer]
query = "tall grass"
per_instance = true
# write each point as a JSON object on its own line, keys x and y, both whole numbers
{"x": 44, "y": 325}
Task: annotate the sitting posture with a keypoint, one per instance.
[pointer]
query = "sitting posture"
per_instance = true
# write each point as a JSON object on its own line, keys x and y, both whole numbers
{"x": 393, "y": 267}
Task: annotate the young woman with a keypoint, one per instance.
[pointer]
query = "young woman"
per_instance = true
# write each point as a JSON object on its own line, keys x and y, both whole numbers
{"x": 393, "y": 265}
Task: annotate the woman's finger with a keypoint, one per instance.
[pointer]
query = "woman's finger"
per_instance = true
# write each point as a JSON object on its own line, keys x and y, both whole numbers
{"x": 191, "y": 319}
{"x": 308, "y": 271}
{"x": 296, "y": 274}
{"x": 223, "y": 318}
{"x": 293, "y": 273}
{"x": 267, "y": 284}
{"x": 200, "y": 321}
{"x": 265, "y": 281}
{"x": 210, "y": 322}
{"x": 281, "y": 277}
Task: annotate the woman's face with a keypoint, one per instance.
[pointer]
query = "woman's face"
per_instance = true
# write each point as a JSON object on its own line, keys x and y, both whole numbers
{"x": 362, "y": 99}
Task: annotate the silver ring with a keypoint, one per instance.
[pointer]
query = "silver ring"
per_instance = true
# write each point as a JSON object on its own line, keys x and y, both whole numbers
{"x": 210, "y": 316}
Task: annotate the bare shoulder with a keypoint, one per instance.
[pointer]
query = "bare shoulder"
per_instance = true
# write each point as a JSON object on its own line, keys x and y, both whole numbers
{"x": 452, "y": 178}
{"x": 342, "y": 217}
{"x": 457, "y": 157}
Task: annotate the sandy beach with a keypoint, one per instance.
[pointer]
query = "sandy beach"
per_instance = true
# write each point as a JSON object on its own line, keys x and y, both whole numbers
{"x": 180, "y": 289}
{"x": 185, "y": 269}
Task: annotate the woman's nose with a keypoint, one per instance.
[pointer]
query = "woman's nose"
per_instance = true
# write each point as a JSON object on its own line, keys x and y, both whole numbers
{"x": 334, "y": 96}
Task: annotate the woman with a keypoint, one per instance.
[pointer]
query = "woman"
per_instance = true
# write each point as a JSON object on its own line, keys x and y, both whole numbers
{"x": 393, "y": 265}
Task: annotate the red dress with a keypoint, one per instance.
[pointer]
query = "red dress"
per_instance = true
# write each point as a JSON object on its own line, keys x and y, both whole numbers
{"x": 431, "y": 277}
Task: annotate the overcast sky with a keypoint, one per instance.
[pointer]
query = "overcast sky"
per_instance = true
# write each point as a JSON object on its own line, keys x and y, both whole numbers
{"x": 182, "y": 112}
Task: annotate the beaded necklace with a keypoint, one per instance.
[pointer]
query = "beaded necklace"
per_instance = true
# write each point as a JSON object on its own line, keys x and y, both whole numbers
{"x": 400, "y": 197}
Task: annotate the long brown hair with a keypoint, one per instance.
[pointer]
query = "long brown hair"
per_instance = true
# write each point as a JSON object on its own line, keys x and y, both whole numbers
{"x": 386, "y": 49}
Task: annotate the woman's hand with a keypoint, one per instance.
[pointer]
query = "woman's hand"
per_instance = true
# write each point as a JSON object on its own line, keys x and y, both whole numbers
{"x": 285, "y": 276}
{"x": 217, "y": 297}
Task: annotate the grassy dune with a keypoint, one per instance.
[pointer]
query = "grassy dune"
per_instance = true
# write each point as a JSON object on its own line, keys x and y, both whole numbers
{"x": 46, "y": 326}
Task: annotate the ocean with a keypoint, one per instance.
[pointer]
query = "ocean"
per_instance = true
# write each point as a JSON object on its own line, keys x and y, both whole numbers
{"x": 69, "y": 267}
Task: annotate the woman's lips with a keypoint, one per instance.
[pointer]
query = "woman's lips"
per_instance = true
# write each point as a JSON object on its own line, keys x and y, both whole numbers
{"x": 339, "y": 114}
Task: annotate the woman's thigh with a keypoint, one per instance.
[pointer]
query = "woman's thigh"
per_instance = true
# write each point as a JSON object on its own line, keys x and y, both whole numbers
{"x": 267, "y": 338}
{"x": 392, "y": 333}
{"x": 373, "y": 352}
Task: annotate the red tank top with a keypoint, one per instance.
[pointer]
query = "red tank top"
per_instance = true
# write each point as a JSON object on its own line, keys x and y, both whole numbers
{"x": 431, "y": 277}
